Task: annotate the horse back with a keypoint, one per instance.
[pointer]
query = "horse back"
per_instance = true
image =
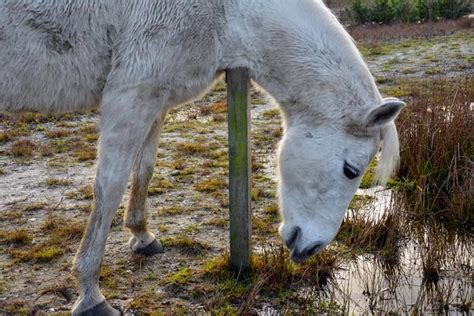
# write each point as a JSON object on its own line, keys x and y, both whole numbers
{"x": 54, "y": 55}
{"x": 57, "y": 56}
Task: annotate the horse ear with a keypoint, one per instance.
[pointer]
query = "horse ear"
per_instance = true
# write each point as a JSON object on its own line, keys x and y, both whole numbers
{"x": 385, "y": 113}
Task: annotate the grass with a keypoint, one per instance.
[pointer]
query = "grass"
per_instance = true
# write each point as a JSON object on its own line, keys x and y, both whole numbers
{"x": 16, "y": 307}
{"x": 83, "y": 193}
{"x": 272, "y": 113}
{"x": 211, "y": 185}
{"x": 191, "y": 148}
{"x": 219, "y": 107}
{"x": 86, "y": 153}
{"x": 181, "y": 277}
{"x": 160, "y": 186}
{"x": 376, "y": 33}
{"x": 56, "y": 182}
{"x": 47, "y": 254}
{"x": 218, "y": 221}
{"x": 366, "y": 235}
{"x": 38, "y": 253}
{"x": 16, "y": 236}
{"x": 45, "y": 150}
{"x": 33, "y": 206}
{"x": 4, "y": 137}
{"x": 59, "y": 235}
{"x": 437, "y": 137}
{"x": 186, "y": 244}
{"x": 433, "y": 71}
{"x": 368, "y": 180}
{"x": 274, "y": 277}
{"x": 148, "y": 302}
{"x": 173, "y": 210}
{"x": 359, "y": 202}
{"x": 272, "y": 209}
{"x": 58, "y": 133}
{"x": 23, "y": 148}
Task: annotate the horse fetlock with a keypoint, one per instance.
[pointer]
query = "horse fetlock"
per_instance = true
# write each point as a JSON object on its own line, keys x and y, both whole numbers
{"x": 89, "y": 296}
{"x": 136, "y": 226}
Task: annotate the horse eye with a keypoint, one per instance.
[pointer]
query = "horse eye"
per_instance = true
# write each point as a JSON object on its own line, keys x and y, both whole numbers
{"x": 350, "y": 171}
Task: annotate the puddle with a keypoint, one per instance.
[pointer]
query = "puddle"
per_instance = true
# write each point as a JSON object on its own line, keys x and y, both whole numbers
{"x": 431, "y": 275}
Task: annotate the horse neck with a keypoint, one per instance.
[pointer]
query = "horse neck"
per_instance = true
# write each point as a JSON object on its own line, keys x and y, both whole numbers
{"x": 299, "y": 53}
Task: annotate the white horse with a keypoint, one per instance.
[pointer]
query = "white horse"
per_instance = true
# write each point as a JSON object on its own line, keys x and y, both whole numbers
{"x": 138, "y": 58}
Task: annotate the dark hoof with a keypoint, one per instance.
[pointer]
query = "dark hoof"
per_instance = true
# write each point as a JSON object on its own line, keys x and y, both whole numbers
{"x": 152, "y": 249}
{"x": 102, "y": 309}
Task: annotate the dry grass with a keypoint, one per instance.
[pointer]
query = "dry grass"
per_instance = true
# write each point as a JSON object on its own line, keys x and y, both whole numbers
{"x": 382, "y": 236}
{"x": 59, "y": 235}
{"x": 219, "y": 107}
{"x": 185, "y": 244}
{"x": 4, "y": 137}
{"x": 23, "y": 148}
{"x": 58, "y": 133}
{"x": 437, "y": 146}
{"x": 274, "y": 275}
{"x": 191, "y": 148}
{"x": 375, "y": 33}
{"x": 45, "y": 150}
{"x": 84, "y": 193}
{"x": 56, "y": 182}
{"x": 160, "y": 186}
{"x": 86, "y": 153}
{"x": 211, "y": 185}
{"x": 16, "y": 236}
{"x": 39, "y": 253}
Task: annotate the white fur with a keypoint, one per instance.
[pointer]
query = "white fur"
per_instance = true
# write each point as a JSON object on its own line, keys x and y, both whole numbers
{"x": 138, "y": 58}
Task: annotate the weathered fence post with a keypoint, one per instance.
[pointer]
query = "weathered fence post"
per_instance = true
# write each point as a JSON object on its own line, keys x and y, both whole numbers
{"x": 238, "y": 97}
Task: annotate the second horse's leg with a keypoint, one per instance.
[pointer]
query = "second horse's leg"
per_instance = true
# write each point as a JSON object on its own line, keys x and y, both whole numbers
{"x": 142, "y": 241}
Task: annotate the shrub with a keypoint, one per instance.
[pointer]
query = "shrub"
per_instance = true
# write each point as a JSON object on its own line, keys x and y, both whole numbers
{"x": 387, "y": 11}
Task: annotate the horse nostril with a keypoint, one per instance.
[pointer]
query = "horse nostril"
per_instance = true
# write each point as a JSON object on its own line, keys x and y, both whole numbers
{"x": 311, "y": 251}
{"x": 290, "y": 243}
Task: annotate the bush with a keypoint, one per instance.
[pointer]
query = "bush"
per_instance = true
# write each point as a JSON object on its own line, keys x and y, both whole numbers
{"x": 388, "y": 11}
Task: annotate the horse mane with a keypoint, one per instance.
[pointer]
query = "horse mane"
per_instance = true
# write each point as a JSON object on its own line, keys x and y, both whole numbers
{"x": 390, "y": 155}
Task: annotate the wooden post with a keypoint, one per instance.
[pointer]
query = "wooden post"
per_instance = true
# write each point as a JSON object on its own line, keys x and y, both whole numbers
{"x": 238, "y": 97}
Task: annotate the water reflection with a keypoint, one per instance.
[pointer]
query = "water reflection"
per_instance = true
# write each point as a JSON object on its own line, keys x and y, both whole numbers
{"x": 431, "y": 272}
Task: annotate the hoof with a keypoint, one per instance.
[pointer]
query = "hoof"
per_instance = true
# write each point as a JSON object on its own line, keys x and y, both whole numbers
{"x": 101, "y": 309}
{"x": 155, "y": 247}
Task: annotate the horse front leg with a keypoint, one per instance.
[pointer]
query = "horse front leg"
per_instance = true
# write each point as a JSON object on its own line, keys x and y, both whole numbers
{"x": 126, "y": 119}
{"x": 142, "y": 241}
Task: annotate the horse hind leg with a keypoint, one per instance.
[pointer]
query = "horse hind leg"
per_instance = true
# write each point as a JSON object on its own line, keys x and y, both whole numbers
{"x": 126, "y": 121}
{"x": 142, "y": 241}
